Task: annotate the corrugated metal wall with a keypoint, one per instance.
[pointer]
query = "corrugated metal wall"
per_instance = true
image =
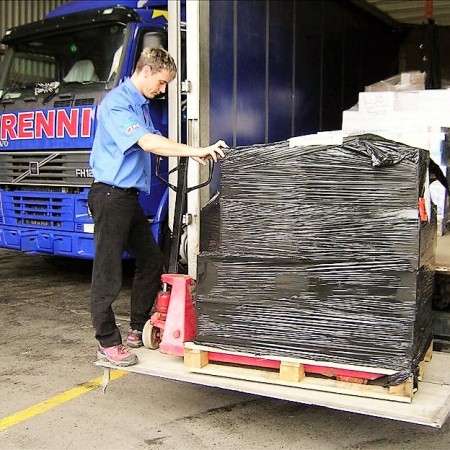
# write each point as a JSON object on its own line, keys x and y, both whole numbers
{"x": 18, "y": 12}
{"x": 415, "y": 11}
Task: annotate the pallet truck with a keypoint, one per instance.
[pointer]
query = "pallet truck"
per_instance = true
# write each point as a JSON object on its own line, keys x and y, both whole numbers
{"x": 174, "y": 321}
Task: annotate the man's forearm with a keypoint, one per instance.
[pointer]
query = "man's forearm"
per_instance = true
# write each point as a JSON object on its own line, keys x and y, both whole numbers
{"x": 162, "y": 146}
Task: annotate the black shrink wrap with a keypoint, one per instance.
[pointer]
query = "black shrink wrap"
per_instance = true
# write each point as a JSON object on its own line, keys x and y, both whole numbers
{"x": 320, "y": 252}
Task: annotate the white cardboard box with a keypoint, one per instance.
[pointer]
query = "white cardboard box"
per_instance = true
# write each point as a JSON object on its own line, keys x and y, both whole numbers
{"x": 381, "y": 103}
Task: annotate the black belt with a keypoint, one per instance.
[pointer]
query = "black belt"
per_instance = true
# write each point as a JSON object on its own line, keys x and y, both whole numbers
{"x": 130, "y": 190}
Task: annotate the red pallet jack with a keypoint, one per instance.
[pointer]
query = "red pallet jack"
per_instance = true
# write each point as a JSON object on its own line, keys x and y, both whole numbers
{"x": 174, "y": 320}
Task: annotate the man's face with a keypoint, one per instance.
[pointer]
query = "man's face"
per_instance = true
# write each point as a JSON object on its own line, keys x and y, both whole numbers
{"x": 155, "y": 83}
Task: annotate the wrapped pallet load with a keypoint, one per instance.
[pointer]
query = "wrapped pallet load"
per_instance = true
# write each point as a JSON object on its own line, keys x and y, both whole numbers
{"x": 323, "y": 253}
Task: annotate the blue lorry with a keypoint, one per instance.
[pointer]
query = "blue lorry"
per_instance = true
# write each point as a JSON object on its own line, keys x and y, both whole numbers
{"x": 287, "y": 77}
{"x": 53, "y": 78}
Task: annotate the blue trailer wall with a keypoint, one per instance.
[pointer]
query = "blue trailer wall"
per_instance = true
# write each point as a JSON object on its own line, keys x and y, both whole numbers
{"x": 286, "y": 68}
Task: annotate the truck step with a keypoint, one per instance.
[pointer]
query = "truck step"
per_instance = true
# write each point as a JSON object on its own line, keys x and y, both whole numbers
{"x": 300, "y": 373}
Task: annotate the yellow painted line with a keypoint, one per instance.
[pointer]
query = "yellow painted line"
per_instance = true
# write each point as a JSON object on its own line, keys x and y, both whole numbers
{"x": 57, "y": 400}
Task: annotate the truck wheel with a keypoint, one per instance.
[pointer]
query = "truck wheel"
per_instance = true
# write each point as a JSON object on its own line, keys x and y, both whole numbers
{"x": 151, "y": 336}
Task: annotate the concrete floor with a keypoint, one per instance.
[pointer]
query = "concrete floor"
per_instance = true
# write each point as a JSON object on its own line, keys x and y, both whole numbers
{"x": 47, "y": 349}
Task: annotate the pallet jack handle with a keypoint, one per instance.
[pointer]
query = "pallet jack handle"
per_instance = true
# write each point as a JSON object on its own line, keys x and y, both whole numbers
{"x": 179, "y": 167}
{"x": 181, "y": 191}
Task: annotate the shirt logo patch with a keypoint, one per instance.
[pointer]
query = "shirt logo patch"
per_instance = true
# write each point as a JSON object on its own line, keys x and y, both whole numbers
{"x": 132, "y": 126}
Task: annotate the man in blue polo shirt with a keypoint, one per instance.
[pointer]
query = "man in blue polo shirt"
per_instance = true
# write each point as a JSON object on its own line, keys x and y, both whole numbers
{"x": 120, "y": 162}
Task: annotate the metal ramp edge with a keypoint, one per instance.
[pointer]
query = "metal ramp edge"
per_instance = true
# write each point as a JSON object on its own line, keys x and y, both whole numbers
{"x": 430, "y": 405}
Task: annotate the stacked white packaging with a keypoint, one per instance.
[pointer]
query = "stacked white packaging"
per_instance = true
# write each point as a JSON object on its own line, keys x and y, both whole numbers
{"x": 420, "y": 118}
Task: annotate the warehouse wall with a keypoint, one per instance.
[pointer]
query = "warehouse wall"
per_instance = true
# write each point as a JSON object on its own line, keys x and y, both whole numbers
{"x": 425, "y": 51}
{"x": 18, "y": 12}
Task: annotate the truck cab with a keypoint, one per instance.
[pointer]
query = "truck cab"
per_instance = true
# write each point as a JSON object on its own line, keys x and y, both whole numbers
{"x": 53, "y": 78}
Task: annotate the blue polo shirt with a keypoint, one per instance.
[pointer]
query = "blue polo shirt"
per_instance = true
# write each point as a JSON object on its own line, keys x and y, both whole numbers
{"x": 123, "y": 118}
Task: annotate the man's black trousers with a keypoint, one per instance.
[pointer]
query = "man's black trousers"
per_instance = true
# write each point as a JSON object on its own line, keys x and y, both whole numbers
{"x": 120, "y": 224}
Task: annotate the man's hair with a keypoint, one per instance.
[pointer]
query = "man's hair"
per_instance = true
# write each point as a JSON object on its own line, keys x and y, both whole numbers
{"x": 157, "y": 59}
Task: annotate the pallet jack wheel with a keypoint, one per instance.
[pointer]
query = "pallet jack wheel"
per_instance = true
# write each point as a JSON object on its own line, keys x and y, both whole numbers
{"x": 151, "y": 336}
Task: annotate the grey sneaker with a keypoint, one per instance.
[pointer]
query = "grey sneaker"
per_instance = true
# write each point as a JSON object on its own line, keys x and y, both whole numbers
{"x": 117, "y": 355}
{"x": 134, "y": 338}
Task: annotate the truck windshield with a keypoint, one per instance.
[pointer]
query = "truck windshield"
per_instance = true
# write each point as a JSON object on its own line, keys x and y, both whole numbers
{"x": 82, "y": 56}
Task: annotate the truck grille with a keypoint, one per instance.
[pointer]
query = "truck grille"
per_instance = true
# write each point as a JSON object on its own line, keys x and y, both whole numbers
{"x": 68, "y": 169}
{"x": 38, "y": 210}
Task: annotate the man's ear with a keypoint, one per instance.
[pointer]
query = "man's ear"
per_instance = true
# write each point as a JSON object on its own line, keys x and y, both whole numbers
{"x": 147, "y": 71}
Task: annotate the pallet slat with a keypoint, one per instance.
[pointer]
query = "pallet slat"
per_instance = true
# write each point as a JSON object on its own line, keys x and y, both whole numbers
{"x": 290, "y": 372}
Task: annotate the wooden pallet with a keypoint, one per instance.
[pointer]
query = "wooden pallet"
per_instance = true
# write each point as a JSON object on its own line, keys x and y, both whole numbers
{"x": 305, "y": 374}
{"x": 426, "y": 358}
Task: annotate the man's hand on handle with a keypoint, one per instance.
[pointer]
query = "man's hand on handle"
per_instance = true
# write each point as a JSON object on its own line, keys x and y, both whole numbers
{"x": 213, "y": 152}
